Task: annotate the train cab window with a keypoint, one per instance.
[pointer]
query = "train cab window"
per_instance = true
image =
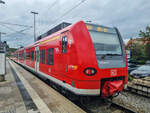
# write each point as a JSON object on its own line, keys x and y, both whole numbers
{"x": 64, "y": 44}
{"x": 42, "y": 56}
{"x": 50, "y": 56}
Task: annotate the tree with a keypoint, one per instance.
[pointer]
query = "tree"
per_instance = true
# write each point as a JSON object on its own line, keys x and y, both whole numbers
{"x": 146, "y": 34}
{"x": 146, "y": 37}
{"x": 137, "y": 51}
{"x": 147, "y": 50}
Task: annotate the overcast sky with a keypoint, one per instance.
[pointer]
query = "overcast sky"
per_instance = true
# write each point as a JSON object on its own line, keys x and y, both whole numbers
{"x": 129, "y": 16}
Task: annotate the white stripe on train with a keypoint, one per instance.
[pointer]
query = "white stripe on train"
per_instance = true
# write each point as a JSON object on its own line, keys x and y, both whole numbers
{"x": 67, "y": 86}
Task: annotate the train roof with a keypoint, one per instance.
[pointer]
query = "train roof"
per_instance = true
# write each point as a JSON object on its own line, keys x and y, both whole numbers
{"x": 54, "y": 29}
{"x": 66, "y": 26}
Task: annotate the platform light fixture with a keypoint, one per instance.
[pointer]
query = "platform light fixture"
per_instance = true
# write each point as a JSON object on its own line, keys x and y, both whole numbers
{"x": 34, "y": 13}
{"x": 2, "y": 2}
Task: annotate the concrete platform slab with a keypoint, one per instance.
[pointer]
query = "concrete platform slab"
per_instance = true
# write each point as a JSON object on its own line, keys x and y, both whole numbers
{"x": 52, "y": 99}
{"x": 10, "y": 99}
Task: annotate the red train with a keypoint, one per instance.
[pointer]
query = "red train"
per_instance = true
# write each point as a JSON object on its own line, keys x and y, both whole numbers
{"x": 85, "y": 59}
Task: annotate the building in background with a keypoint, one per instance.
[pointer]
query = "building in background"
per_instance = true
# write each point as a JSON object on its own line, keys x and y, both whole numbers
{"x": 134, "y": 44}
{"x": 137, "y": 41}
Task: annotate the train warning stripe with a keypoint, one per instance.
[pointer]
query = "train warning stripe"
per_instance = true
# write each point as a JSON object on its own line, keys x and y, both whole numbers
{"x": 49, "y": 40}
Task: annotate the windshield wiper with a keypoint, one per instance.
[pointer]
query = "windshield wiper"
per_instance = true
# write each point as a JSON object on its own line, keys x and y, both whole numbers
{"x": 110, "y": 54}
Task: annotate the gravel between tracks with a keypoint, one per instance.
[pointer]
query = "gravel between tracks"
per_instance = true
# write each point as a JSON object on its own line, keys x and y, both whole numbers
{"x": 99, "y": 106}
{"x": 137, "y": 103}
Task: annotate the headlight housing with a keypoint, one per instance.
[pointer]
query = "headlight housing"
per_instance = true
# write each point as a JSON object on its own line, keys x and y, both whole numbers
{"x": 90, "y": 71}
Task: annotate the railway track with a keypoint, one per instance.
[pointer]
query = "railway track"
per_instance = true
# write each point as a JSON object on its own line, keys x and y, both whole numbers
{"x": 106, "y": 107}
{"x": 99, "y": 104}
{"x": 120, "y": 107}
{"x": 108, "y": 104}
{"x": 140, "y": 87}
{"x": 123, "y": 108}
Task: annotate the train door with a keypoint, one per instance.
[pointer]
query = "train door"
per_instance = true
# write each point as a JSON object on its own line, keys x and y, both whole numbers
{"x": 36, "y": 59}
{"x": 24, "y": 57}
{"x": 64, "y": 52}
{"x": 18, "y": 57}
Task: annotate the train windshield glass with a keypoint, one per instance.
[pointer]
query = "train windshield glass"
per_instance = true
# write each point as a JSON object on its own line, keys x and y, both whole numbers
{"x": 106, "y": 43}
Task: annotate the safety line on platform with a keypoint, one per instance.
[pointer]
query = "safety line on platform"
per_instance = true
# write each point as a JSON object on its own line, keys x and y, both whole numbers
{"x": 43, "y": 108}
{"x": 29, "y": 104}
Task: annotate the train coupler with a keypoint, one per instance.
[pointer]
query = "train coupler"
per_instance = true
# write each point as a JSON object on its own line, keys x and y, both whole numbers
{"x": 112, "y": 88}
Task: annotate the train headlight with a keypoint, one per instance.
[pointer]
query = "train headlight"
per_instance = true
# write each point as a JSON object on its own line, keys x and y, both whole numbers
{"x": 90, "y": 71}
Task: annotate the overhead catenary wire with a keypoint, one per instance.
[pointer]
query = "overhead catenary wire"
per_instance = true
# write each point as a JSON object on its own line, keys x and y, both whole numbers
{"x": 15, "y": 24}
{"x": 50, "y": 6}
{"x": 15, "y": 32}
{"x": 28, "y": 27}
{"x": 26, "y": 37}
{"x": 8, "y": 27}
{"x": 19, "y": 32}
{"x": 67, "y": 12}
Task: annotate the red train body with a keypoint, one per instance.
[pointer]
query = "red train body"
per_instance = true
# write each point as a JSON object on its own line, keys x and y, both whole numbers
{"x": 86, "y": 59}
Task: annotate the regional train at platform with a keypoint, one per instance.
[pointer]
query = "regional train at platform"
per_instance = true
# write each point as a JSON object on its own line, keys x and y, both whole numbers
{"x": 83, "y": 58}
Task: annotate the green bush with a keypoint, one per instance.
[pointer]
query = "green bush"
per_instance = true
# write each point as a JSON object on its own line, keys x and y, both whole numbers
{"x": 130, "y": 78}
{"x": 141, "y": 61}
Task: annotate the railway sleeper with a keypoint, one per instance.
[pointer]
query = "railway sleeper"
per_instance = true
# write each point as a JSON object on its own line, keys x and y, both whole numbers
{"x": 121, "y": 107}
{"x": 139, "y": 91}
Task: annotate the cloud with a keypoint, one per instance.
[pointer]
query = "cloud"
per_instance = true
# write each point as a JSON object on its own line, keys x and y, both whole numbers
{"x": 129, "y": 16}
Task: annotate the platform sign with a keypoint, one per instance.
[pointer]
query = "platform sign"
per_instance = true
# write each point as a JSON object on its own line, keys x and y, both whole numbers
{"x": 2, "y": 62}
{"x": 128, "y": 53}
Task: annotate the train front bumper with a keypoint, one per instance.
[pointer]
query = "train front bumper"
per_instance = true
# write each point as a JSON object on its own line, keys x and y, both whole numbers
{"x": 111, "y": 87}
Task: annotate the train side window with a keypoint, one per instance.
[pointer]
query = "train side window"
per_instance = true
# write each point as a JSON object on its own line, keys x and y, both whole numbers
{"x": 42, "y": 56}
{"x": 28, "y": 55}
{"x": 32, "y": 55}
{"x": 64, "y": 44}
{"x": 50, "y": 56}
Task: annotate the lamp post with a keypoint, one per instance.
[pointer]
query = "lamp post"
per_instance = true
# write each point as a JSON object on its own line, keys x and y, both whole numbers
{"x": 2, "y": 2}
{"x": 34, "y": 13}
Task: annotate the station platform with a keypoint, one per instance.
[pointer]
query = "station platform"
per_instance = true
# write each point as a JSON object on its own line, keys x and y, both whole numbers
{"x": 22, "y": 92}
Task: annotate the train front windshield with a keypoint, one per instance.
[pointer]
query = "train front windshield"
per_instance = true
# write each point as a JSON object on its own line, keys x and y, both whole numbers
{"x": 106, "y": 43}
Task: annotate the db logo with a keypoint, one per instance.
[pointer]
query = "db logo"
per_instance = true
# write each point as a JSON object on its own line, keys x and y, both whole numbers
{"x": 113, "y": 72}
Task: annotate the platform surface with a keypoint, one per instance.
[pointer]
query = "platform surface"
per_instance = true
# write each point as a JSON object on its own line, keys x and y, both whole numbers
{"x": 23, "y": 92}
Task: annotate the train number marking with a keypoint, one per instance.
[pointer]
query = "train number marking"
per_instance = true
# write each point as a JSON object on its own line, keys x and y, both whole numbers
{"x": 113, "y": 72}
